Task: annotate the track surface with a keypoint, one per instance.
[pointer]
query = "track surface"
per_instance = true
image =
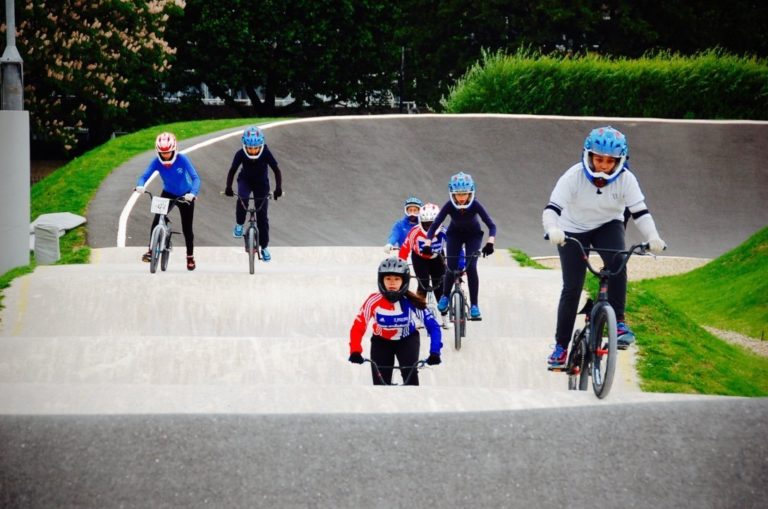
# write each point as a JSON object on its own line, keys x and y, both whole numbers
{"x": 216, "y": 388}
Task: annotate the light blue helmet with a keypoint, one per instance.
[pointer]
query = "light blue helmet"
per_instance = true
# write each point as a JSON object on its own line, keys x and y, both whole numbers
{"x": 461, "y": 183}
{"x": 605, "y": 141}
{"x": 253, "y": 138}
{"x": 412, "y": 201}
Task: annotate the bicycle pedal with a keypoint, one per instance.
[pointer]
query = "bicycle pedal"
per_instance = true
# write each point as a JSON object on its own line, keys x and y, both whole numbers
{"x": 478, "y": 319}
{"x": 560, "y": 368}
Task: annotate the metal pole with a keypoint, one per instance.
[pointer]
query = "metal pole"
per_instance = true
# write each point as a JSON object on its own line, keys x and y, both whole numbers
{"x": 11, "y": 65}
{"x": 402, "y": 75}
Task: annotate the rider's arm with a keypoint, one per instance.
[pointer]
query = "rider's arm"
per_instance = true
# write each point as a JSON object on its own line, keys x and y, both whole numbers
{"x": 436, "y": 223}
{"x": 233, "y": 168}
{"x": 190, "y": 169}
{"x": 359, "y": 326}
{"x": 142, "y": 180}
{"x": 405, "y": 248}
{"x": 394, "y": 234}
{"x": 486, "y": 217}
{"x": 434, "y": 331}
{"x": 272, "y": 162}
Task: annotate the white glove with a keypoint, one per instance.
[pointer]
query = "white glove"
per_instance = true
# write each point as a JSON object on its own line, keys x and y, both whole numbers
{"x": 140, "y": 189}
{"x": 388, "y": 248}
{"x": 656, "y": 245}
{"x": 189, "y": 197}
{"x": 556, "y": 236}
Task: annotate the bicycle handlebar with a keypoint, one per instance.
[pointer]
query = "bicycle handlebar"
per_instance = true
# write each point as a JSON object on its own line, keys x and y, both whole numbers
{"x": 639, "y": 249}
{"x": 175, "y": 200}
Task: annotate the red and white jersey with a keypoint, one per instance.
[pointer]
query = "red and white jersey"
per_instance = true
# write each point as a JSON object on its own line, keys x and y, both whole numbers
{"x": 392, "y": 320}
{"x": 415, "y": 242}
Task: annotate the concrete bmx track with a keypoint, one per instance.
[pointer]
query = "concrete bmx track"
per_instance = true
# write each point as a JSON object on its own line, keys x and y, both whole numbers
{"x": 217, "y": 388}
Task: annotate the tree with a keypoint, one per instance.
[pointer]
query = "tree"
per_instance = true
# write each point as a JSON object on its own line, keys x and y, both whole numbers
{"x": 92, "y": 64}
{"x": 306, "y": 48}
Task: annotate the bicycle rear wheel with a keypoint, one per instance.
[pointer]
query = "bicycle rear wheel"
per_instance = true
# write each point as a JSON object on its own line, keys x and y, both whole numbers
{"x": 157, "y": 240}
{"x": 457, "y": 317}
{"x": 250, "y": 246}
{"x": 605, "y": 351}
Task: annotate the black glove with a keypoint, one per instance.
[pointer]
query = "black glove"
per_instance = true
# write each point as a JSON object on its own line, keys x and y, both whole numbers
{"x": 356, "y": 358}
{"x": 278, "y": 193}
{"x": 434, "y": 358}
{"x": 488, "y": 249}
{"x": 426, "y": 250}
{"x": 228, "y": 191}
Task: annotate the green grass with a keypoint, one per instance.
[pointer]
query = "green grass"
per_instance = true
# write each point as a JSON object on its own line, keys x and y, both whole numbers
{"x": 524, "y": 260}
{"x": 72, "y": 187}
{"x": 728, "y": 293}
{"x": 677, "y": 355}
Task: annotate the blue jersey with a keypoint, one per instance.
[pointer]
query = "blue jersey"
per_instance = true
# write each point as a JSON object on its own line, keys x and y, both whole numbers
{"x": 400, "y": 230}
{"x": 179, "y": 178}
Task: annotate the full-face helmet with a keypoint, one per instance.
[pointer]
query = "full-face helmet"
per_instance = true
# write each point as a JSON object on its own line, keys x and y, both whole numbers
{"x": 605, "y": 141}
{"x": 427, "y": 216}
{"x": 166, "y": 143}
{"x": 394, "y": 267}
{"x": 461, "y": 183}
{"x": 253, "y": 142}
{"x": 412, "y": 201}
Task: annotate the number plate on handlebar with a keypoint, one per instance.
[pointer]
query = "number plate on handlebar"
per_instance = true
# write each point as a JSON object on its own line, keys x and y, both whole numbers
{"x": 159, "y": 205}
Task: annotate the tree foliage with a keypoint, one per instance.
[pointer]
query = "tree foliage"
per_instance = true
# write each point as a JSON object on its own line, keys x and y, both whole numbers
{"x": 306, "y": 48}
{"x": 91, "y": 63}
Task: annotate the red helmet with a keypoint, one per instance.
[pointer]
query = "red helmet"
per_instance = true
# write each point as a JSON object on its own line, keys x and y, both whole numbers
{"x": 165, "y": 143}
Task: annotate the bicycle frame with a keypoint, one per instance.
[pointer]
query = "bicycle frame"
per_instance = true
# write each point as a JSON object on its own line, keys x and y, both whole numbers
{"x": 161, "y": 244}
{"x": 589, "y": 349}
{"x": 251, "y": 233}
{"x": 458, "y": 304}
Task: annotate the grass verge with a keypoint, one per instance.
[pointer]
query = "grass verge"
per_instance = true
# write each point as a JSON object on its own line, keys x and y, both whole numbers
{"x": 72, "y": 187}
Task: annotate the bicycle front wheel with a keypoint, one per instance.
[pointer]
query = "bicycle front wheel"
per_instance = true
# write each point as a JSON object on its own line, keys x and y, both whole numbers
{"x": 605, "y": 351}
{"x": 457, "y": 317}
{"x": 250, "y": 246}
{"x": 156, "y": 243}
{"x": 165, "y": 256}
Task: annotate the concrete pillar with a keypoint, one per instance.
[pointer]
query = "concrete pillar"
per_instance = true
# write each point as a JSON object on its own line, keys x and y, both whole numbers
{"x": 14, "y": 189}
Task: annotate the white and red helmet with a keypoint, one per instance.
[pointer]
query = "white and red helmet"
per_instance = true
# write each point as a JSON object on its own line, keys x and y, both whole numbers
{"x": 166, "y": 142}
{"x": 427, "y": 216}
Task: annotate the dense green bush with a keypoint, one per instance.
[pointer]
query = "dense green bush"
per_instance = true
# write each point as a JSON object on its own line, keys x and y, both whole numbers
{"x": 711, "y": 85}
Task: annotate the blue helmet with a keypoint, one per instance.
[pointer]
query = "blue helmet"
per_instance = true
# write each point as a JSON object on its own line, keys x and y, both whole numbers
{"x": 461, "y": 183}
{"x": 253, "y": 138}
{"x": 605, "y": 141}
{"x": 412, "y": 201}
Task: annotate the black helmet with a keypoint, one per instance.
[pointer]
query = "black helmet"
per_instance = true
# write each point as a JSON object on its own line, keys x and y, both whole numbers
{"x": 394, "y": 267}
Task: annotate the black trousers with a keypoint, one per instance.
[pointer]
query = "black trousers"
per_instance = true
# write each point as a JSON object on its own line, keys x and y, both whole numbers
{"x": 429, "y": 272}
{"x": 244, "y": 190}
{"x": 384, "y": 351}
{"x": 608, "y": 236}
{"x": 187, "y": 212}
{"x": 471, "y": 242}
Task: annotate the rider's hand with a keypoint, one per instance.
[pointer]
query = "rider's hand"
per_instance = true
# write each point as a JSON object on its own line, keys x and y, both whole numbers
{"x": 433, "y": 359}
{"x": 140, "y": 189}
{"x": 356, "y": 358}
{"x": 388, "y": 248}
{"x": 189, "y": 197}
{"x": 426, "y": 248}
{"x": 229, "y": 192}
{"x": 488, "y": 249}
{"x": 656, "y": 245}
{"x": 556, "y": 236}
{"x": 278, "y": 193}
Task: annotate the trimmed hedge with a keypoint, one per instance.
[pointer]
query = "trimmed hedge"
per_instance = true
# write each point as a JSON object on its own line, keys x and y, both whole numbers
{"x": 709, "y": 85}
